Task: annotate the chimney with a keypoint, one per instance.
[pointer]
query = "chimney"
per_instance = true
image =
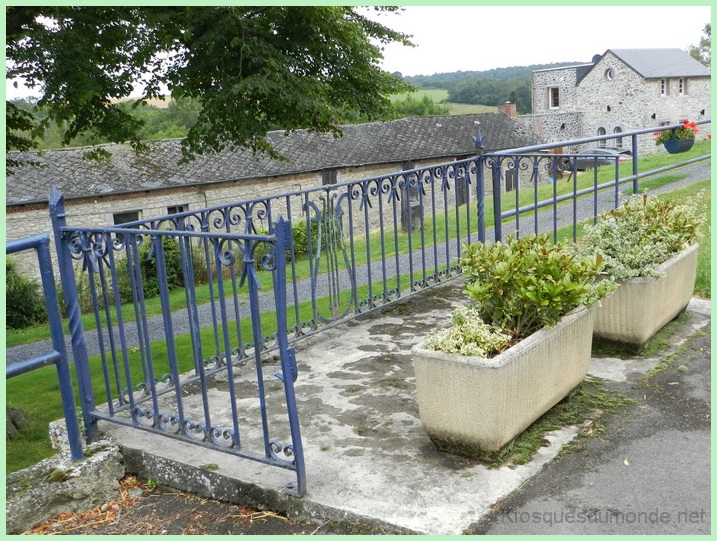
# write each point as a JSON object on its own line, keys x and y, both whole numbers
{"x": 509, "y": 109}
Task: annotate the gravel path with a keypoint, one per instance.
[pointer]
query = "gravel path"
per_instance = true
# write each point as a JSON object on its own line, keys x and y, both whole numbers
{"x": 180, "y": 322}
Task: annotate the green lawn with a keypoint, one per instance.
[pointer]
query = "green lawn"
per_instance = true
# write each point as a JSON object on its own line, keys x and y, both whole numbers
{"x": 440, "y": 96}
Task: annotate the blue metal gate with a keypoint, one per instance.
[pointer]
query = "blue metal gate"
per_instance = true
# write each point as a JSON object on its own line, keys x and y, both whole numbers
{"x": 177, "y": 385}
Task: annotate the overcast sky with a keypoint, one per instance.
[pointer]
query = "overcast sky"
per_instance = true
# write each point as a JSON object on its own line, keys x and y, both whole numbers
{"x": 476, "y": 38}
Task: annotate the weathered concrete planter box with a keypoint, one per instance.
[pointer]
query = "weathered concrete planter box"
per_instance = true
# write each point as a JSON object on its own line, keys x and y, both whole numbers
{"x": 475, "y": 406}
{"x": 640, "y": 307}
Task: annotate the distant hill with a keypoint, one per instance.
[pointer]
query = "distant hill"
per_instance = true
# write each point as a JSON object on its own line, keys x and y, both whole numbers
{"x": 446, "y": 80}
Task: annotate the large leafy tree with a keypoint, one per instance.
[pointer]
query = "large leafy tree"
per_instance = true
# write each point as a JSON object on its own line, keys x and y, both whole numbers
{"x": 250, "y": 69}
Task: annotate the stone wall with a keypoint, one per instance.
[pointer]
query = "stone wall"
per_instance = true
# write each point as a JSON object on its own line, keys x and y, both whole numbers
{"x": 98, "y": 211}
{"x": 612, "y": 96}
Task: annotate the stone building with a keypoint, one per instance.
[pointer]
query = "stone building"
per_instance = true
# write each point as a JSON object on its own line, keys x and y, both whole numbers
{"x": 129, "y": 187}
{"x": 620, "y": 90}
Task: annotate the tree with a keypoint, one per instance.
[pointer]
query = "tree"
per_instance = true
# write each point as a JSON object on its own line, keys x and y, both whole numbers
{"x": 703, "y": 52}
{"x": 425, "y": 106}
{"x": 249, "y": 69}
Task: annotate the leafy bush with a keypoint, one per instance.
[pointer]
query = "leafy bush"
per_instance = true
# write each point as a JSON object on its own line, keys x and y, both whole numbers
{"x": 640, "y": 235}
{"x": 148, "y": 269}
{"x": 468, "y": 335}
{"x": 25, "y": 303}
{"x": 525, "y": 284}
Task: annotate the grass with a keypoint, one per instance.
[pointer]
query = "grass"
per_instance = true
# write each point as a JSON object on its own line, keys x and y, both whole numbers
{"x": 585, "y": 406}
{"x": 440, "y": 97}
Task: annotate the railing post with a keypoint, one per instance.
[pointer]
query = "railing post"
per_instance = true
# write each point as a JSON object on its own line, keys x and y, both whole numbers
{"x": 635, "y": 170}
{"x": 69, "y": 291}
{"x": 480, "y": 194}
{"x": 497, "y": 221}
{"x": 289, "y": 369}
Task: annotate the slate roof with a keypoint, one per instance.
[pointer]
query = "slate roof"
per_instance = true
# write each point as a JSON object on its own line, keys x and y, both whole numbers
{"x": 659, "y": 63}
{"x": 362, "y": 144}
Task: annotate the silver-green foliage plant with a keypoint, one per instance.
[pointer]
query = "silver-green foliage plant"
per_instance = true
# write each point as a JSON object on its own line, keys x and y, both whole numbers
{"x": 528, "y": 283}
{"x": 468, "y": 335}
{"x": 634, "y": 239}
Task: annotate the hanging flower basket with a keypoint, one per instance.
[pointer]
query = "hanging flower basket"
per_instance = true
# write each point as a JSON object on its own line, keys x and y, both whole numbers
{"x": 678, "y": 139}
{"x": 675, "y": 146}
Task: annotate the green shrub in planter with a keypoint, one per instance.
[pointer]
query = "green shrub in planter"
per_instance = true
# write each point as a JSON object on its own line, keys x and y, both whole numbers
{"x": 640, "y": 235}
{"x": 528, "y": 283}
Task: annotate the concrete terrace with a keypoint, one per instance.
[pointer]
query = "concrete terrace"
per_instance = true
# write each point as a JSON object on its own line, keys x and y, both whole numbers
{"x": 368, "y": 458}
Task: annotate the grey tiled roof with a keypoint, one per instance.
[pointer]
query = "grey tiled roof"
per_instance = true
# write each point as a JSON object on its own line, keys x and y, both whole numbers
{"x": 658, "y": 63}
{"x": 377, "y": 142}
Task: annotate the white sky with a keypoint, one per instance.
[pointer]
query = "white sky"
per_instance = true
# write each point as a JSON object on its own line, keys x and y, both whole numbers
{"x": 476, "y": 38}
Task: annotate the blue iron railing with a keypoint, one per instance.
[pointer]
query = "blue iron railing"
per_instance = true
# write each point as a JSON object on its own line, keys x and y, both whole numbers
{"x": 58, "y": 355}
{"x": 322, "y": 255}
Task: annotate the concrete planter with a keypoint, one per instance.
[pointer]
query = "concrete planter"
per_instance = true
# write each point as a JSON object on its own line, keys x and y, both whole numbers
{"x": 474, "y": 406}
{"x": 640, "y": 307}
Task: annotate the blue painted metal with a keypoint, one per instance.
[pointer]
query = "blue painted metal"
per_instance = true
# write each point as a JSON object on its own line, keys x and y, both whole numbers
{"x": 351, "y": 247}
{"x": 58, "y": 355}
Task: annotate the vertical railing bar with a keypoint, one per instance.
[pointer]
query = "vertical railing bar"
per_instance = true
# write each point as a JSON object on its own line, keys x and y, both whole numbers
{"x": 354, "y": 291}
{"x": 575, "y": 208}
{"x": 121, "y": 332}
{"x": 446, "y": 212}
{"x": 434, "y": 232}
{"x": 395, "y": 192}
{"x": 168, "y": 329}
{"x": 516, "y": 161}
{"x": 255, "y": 312}
{"x": 635, "y": 171}
{"x": 409, "y": 226}
{"x": 497, "y": 211}
{"x": 422, "y": 216}
{"x": 108, "y": 317}
{"x": 617, "y": 183}
{"x": 98, "y": 324}
{"x": 368, "y": 244}
{"x": 210, "y": 284}
{"x": 379, "y": 192}
{"x": 132, "y": 265}
{"x": 536, "y": 181}
{"x": 555, "y": 202}
{"x": 480, "y": 195}
{"x": 294, "y": 284}
{"x": 185, "y": 244}
{"x": 227, "y": 344}
{"x": 147, "y": 358}
{"x": 289, "y": 370}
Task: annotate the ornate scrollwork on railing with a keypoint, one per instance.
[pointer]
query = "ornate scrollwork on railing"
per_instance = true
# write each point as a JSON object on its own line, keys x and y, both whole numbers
{"x": 195, "y": 431}
{"x": 276, "y": 448}
{"x": 224, "y": 438}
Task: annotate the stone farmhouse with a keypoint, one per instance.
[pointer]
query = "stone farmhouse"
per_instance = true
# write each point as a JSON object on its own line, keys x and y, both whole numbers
{"x": 129, "y": 187}
{"x": 620, "y": 90}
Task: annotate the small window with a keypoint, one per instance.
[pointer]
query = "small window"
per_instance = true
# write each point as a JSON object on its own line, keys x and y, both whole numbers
{"x": 663, "y": 87}
{"x": 177, "y": 209}
{"x": 329, "y": 177}
{"x": 681, "y": 87}
{"x": 602, "y": 131}
{"x": 618, "y": 140}
{"x": 610, "y": 74}
{"x": 125, "y": 217}
{"x": 554, "y": 97}
{"x": 665, "y": 123}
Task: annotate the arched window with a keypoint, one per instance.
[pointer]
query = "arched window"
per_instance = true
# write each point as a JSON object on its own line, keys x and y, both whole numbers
{"x": 618, "y": 140}
{"x": 602, "y": 131}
